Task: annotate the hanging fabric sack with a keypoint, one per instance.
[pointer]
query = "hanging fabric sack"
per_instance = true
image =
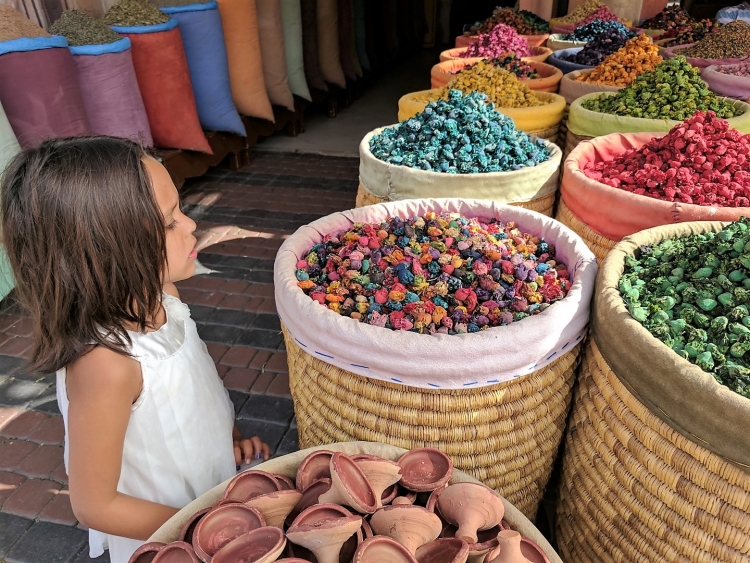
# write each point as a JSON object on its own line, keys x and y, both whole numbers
{"x": 164, "y": 81}
{"x": 291, "y": 17}
{"x": 328, "y": 42}
{"x": 344, "y": 21}
{"x": 360, "y": 33}
{"x": 109, "y": 88}
{"x": 313, "y": 74}
{"x": 272, "y": 50}
{"x": 203, "y": 38}
{"x": 39, "y": 90}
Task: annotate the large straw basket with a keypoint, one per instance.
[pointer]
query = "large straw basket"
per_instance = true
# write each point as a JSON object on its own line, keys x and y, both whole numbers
{"x": 352, "y": 381}
{"x": 598, "y": 244}
{"x": 656, "y": 464}
{"x": 287, "y": 465}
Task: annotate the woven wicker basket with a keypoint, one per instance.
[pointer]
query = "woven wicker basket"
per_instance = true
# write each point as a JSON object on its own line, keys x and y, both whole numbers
{"x": 598, "y": 244}
{"x": 505, "y": 435}
{"x": 572, "y": 141}
{"x": 544, "y": 205}
{"x": 634, "y": 489}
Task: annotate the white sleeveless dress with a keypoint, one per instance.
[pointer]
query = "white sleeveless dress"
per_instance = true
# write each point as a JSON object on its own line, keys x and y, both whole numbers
{"x": 178, "y": 443}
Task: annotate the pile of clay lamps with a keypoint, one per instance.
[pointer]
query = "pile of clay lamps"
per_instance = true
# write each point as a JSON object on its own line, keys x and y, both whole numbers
{"x": 342, "y": 509}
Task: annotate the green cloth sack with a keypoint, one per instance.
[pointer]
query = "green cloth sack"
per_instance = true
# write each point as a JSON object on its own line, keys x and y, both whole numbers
{"x": 291, "y": 17}
{"x": 584, "y": 122}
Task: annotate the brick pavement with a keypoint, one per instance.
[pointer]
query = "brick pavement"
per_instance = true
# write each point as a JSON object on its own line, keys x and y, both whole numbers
{"x": 236, "y": 316}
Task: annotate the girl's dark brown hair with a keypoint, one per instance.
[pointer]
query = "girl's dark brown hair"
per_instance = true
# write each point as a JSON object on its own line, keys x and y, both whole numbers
{"x": 86, "y": 241}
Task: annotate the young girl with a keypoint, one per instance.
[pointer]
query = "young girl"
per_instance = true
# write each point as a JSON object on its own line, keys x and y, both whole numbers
{"x": 96, "y": 240}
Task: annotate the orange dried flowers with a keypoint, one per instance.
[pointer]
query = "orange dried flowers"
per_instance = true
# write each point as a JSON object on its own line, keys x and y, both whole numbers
{"x": 625, "y": 65}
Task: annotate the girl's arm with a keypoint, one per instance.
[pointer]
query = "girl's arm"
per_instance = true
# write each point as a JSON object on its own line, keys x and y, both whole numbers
{"x": 102, "y": 387}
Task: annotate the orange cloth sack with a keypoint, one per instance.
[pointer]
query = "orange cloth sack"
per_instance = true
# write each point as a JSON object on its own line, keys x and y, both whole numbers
{"x": 164, "y": 81}
{"x": 240, "y": 22}
{"x": 615, "y": 213}
{"x": 328, "y": 42}
{"x": 273, "y": 53}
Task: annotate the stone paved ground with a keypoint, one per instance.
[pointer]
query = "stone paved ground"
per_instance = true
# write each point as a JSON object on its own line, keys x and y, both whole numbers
{"x": 236, "y": 316}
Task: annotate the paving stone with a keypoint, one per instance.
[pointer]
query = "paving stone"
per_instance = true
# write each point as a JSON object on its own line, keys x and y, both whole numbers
{"x": 15, "y": 346}
{"x": 9, "y": 482}
{"x": 240, "y": 379}
{"x": 231, "y": 317}
{"x": 279, "y": 386}
{"x": 261, "y": 384}
{"x": 59, "y": 510}
{"x": 10, "y": 364}
{"x": 17, "y": 392}
{"x": 51, "y": 431}
{"x": 41, "y": 462}
{"x": 263, "y": 339}
{"x": 23, "y": 425}
{"x": 226, "y": 335}
{"x": 59, "y": 474}
{"x": 11, "y": 528}
{"x": 31, "y": 497}
{"x": 216, "y": 351}
{"x": 266, "y": 322}
{"x": 45, "y": 542}
{"x": 238, "y": 400}
{"x": 269, "y": 432}
{"x": 277, "y": 363}
{"x": 201, "y": 312}
{"x": 266, "y": 407}
{"x": 14, "y": 451}
{"x": 46, "y": 403}
{"x": 238, "y": 356}
{"x": 289, "y": 443}
{"x": 83, "y": 557}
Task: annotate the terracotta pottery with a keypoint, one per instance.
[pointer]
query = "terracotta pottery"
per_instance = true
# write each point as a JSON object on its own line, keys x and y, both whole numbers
{"x": 381, "y": 473}
{"x": 486, "y": 541}
{"x": 250, "y": 484}
{"x": 146, "y": 552}
{"x": 176, "y": 552}
{"x": 446, "y": 550}
{"x": 380, "y": 549}
{"x": 320, "y": 512}
{"x": 389, "y": 494}
{"x": 325, "y": 538}
{"x": 292, "y": 560}
{"x": 432, "y": 501}
{"x": 261, "y": 545}
{"x": 310, "y": 497}
{"x": 508, "y": 549}
{"x": 186, "y": 534}
{"x": 349, "y": 486}
{"x": 410, "y": 525}
{"x": 221, "y": 525}
{"x": 285, "y": 483}
{"x": 367, "y": 529}
{"x": 405, "y": 497}
{"x": 425, "y": 469}
{"x": 533, "y": 552}
{"x": 471, "y": 507}
{"x": 315, "y": 466}
{"x": 275, "y": 507}
{"x": 224, "y": 501}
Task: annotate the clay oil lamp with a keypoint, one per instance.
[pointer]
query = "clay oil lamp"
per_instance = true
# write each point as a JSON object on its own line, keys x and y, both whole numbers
{"x": 508, "y": 550}
{"x": 431, "y": 504}
{"x": 261, "y": 545}
{"x": 276, "y": 506}
{"x": 380, "y": 549}
{"x": 446, "y": 550}
{"x": 326, "y": 537}
{"x": 146, "y": 552}
{"x": 176, "y": 552}
{"x": 471, "y": 507}
{"x": 292, "y": 560}
{"x": 486, "y": 541}
{"x": 320, "y": 512}
{"x": 186, "y": 534}
{"x": 349, "y": 486}
{"x": 285, "y": 483}
{"x": 367, "y": 529}
{"x": 222, "y": 525}
{"x": 407, "y": 497}
{"x": 533, "y": 552}
{"x": 381, "y": 473}
{"x": 310, "y": 497}
{"x": 250, "y": 484}
{"x": 425, "y": 469}
{"x": 315, "y": 466}
{"x": 410, "y": 525}
{"x": 391, "y": 492}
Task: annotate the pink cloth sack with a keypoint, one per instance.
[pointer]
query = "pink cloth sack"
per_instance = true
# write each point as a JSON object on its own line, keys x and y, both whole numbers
{"x": 728, "y": 85}
{"x": 615, "y": 213}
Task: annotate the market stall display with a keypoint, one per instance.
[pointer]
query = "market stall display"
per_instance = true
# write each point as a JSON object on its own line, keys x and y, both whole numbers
{"x": 291, "y": 16}
{"x": 732, "y": 81}
{"x": 326, "y": 357}
{"x": 393, "y": 532}
{"x": 729, "y": 44}
{"x": 163, "y": 75}
{"x": 538, "y": 54}
{"x": 660, "y": 453}
{"x": 272, "y": 50}
{"x": 559, "y": 59}
{"x": 313, "y": 74}
{"x": 328, "y": 42}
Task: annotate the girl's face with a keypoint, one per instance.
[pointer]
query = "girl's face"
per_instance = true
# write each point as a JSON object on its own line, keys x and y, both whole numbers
{"x": 181, "y": 252}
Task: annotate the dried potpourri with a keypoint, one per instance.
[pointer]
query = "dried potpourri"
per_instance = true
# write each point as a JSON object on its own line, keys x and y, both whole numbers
{"x": 80, "y": 28}
{"x": 594, "y": 29}
{"x": 510, "y": 62}
{"x": 670, "y": 17}
{"x": 500, "y": 40}
{"x": 445, "y": 274}
{"x": 701, "y": 161}
{"x": 581, "y": 12}
{"x": 595, "y": 51}
{"x": 691, "y": 33}
{"x": 461, "y": 135}
{"x": 739, "y": 69}
{"x": 516, "y": 20}
{"x": 673, "y": 90}
{"x": 728, "y": 42}
{"x": 602, "y": 14}
{"x": 692, "y": 293}
{"x": 624, "y": 65}
{"x": 500, "y": 86}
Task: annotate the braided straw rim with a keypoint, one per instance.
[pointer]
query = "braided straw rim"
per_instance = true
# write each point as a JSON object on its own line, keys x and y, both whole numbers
{"x": 598, "y": 244}
{"x": 505, "y": 435}
{"x": 634, "y": 489}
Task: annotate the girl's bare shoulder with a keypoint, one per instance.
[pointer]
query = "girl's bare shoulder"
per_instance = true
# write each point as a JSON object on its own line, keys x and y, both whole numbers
{"x": 102, "y": 369}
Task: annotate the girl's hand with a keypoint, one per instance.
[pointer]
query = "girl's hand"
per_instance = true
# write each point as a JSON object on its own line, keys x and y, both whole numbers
{"x": 248, "y": 449}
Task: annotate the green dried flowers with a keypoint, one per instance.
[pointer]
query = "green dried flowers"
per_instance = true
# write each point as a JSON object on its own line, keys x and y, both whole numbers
{"x": 673, "y": 90}
{"x": 693, "y": 294}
